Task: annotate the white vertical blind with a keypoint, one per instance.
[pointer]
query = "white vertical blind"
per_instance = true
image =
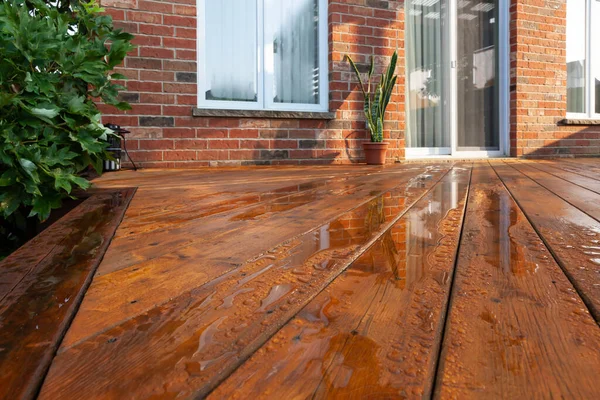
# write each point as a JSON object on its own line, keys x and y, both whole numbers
{"x": 231, "y": 50}
{"x": 293, "y": 39}
{"x": 263, "y": 54}
{"x": 595, "y": 49}
{"x": 576, "y": 56}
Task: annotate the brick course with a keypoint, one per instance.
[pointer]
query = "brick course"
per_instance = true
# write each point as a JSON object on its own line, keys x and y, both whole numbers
{"x": 162, "y": 90}
{"x": 539, "y": 84}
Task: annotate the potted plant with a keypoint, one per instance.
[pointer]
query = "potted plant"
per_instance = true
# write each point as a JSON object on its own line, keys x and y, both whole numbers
{"x": 376, "y": 102}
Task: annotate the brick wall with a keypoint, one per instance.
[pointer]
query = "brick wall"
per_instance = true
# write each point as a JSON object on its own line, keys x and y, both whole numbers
{"x": 539, "y": 84}
{"x": 162, "y": 91}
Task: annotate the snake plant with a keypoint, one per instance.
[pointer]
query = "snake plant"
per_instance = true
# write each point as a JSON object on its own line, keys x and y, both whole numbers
{"x": 377, "y": 101}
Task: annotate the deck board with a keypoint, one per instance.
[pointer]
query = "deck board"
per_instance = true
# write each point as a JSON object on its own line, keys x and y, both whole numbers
{"x": 581, "y": 198}
{"x": 346, "y": 342}
{"x": 36, "y": 310}
{"x": 579, "y": 169}
{"x": 332, "y": 282}
{"x": 142, "y": 285}
{"x": 516, "y": 328}
{"x": 580, "y": 180}
{"x": 202, "y": 335}
{"x": 572, "y": 236}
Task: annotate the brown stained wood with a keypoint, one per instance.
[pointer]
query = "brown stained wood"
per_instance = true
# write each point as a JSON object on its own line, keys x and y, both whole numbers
{"x": 516, "y": 327}
{"x": 573, "y": 168}
{"x": 120, "y": 295}
{"x": 572, "y": 236}
{"x": 37, "y": 307}
{"x": 583, "y": 181}
{"x": 153, "y": 209}
{"x": 303, "y": 208}
{"x": 256, "y": 204}
{"x": 583, "y": 199}
{"x": 375, "y": 331}
{"x": 186, "y": 346}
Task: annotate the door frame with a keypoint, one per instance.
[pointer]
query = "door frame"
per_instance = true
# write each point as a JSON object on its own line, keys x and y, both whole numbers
{"x": 504, "y": 95}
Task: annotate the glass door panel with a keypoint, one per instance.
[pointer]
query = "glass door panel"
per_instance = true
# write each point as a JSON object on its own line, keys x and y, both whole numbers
{"x": 477, "y": 84}
{"x": 427, "y": 75}
{"x": 456, "y": 77}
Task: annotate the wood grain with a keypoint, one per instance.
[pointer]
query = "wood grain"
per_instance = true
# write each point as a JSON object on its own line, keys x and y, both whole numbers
{"x": 583, "y": 181}
{"x": 581, "y": 198}
{"x": 375, "y": 331}
{"x": 582, "y": 170}
{"x": 38, "y": 307}
{"x": 119, "y": 295}
{"x": 572, "y": 236}
{"x": 188, "y": 345}
{"x": 516, "y": 327}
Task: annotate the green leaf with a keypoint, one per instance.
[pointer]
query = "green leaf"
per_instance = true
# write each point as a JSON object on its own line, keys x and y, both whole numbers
{"x": 8, "y": 178}
{"x": 47, "y": 111}
{"x": 28, "y": 166}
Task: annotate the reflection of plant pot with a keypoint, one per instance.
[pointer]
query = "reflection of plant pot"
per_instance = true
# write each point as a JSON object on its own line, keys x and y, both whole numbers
{"x": 375, "y": 152}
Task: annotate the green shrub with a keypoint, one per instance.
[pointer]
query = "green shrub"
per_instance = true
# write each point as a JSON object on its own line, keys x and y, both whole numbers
{"x": 56, "y": 57}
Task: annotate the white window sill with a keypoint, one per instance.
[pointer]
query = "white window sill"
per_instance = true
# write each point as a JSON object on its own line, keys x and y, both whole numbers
{"x": 206, "y": 112}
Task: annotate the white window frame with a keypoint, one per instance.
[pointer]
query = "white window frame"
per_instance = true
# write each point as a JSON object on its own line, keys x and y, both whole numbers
{"x": 590, "y": 97}
{"x": 265, "y": 78}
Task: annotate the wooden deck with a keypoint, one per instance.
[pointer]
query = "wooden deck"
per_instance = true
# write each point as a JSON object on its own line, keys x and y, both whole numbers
{"x": 449, "y": 280}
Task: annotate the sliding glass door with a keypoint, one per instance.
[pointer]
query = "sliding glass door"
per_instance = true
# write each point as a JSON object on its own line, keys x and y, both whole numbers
{"x": 456, "y": 67}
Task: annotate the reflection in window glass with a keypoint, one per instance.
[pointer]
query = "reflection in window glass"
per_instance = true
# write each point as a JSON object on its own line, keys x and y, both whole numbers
{"x": 576, "y": 56}
{"x": 293, "y": 57}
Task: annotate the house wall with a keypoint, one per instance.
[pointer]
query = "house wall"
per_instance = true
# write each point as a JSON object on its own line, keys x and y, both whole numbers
{"x": 539, "y": 84}
{"x": 162, "y": 90}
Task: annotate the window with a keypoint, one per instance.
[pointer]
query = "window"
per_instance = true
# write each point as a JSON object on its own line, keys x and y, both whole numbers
{"x": 583, "y": 59}
{"x": 263, "y": 55}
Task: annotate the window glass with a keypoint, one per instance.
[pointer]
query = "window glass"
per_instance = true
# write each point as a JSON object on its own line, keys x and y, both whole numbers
{"x": 595, "y": 47}
{"x": 292, "y": 50}
{"x": 576, "y": 59}
{"x": 231, "y": 50}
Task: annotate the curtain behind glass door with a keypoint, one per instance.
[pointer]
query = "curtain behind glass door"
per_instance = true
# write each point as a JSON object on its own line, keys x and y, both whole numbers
{"x": 427, "y": 73}
{"x": 478, "y": 87}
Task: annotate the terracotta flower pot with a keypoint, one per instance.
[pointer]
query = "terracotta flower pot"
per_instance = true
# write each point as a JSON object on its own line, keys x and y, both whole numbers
{"x": 375, "y": 152}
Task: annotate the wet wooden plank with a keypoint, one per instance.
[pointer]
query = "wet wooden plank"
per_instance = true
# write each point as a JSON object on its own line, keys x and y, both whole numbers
{"x": 583, "y": 181}
{"x": 375, "y": 331}
{"x": 37, "y": 309}
{"x": 572, "y": 236}
{"x": 300, "y": 209}
{"x": 255, "y": 198}
{"x": 516, "y": 327}
{"x": 186, "y": 346}
{"x": 573, "y": 168}
{"x": 584, "y": 199}
{"x": 119, "y": 295}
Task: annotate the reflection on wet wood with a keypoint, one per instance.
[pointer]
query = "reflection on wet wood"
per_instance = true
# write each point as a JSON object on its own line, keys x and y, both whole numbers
{"x": 375, "y": 331}
{"x": 300, "y": 210}
{"x": 189, "y": 344}
{"x": 516, "y": 328}
{"x": 583, "y": 181}
{"x": 43, "y": 284}
{"x": 321, "y": 282}
{"x": 573, "y": 236}
{"x": 584, "y": 199}
{"x": 583, "y": 170}
{"x": 123, "y": 294}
